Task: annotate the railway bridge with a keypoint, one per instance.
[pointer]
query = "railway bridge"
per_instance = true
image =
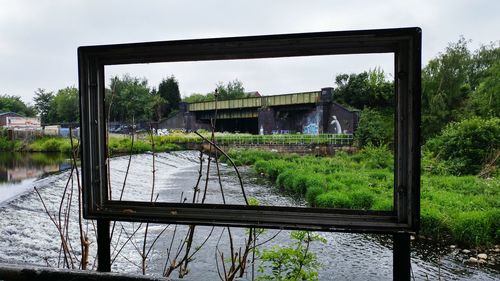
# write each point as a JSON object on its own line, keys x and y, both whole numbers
{"x": 307, "y": 112}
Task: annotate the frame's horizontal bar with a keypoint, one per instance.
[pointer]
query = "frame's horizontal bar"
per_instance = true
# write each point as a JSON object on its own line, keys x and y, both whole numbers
{"x": 253, "y": 216}
{"x": 265, "y": 46}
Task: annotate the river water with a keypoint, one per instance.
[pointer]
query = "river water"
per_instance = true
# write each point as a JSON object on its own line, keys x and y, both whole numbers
{"x": 28, "y": 235}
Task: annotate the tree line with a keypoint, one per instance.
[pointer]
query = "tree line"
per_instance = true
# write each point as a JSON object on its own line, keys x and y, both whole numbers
{"x": 460, "y": 129}
{"x": 457, "y": 84}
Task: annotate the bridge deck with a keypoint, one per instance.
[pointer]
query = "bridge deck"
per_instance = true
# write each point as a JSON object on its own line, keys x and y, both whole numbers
{"x": 256, "y": 102}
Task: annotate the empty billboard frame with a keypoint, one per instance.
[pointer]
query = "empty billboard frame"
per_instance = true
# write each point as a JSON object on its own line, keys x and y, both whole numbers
{"x": 404, "y": 43}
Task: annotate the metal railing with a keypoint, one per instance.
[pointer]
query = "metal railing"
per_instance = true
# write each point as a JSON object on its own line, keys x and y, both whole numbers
{"x": 292, "y": 139}
{"x": 247, "y": 139}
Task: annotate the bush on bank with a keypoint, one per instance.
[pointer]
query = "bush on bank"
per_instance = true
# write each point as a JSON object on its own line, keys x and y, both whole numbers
{"x": 460, "y": 209}
{"x": 464, "y": 148}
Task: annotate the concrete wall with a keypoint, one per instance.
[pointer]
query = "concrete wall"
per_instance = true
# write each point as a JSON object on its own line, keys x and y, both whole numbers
{"x": 348, "y": 119}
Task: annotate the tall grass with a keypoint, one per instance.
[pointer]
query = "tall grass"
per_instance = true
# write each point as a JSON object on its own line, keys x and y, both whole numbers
{"x": 461, "y": 209}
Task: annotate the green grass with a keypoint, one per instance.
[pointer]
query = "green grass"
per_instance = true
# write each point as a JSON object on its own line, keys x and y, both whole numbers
{"x": 116, "y": 146}
{"x": 124, "y": 146}
{"x": 459, "y": 209}
{"x": 50, "y": 144}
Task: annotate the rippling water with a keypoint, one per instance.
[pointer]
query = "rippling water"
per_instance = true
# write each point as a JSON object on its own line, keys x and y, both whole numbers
{"x": 27, "y": 234}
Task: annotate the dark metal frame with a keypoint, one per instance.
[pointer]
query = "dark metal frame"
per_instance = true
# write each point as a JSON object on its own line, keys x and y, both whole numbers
{"x": 405, "y": 43}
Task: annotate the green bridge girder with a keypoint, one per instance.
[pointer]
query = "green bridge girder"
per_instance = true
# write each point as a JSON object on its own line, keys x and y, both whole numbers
{"x": 256, "y": 102}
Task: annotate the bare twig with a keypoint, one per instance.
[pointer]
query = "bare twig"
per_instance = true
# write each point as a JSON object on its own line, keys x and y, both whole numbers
{"x": 61, "y": 235}
{"x": 232, "y": 164}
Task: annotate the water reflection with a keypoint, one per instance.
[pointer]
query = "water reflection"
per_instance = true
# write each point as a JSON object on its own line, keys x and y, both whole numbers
{"x": 16, "y": 167}
{"x": 18, "y": 171}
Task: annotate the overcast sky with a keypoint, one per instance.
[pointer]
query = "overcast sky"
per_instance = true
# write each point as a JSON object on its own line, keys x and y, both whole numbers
{"x": 38, "y": 38}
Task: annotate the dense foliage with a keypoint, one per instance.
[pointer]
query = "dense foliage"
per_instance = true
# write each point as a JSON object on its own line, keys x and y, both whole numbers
{"x": 128, "y": 99}
{"x": 459, "y": 84}
{"x": 15, "y": 104}
{"x": 292, "y": 262}
{"x": 63, "y": 107}
{"x": 464, "y": 209}
{"x": 168, "y": 90}
{"x": 367, "y": 89}
{"x": 465, "y": 147}
{"x": 373, "y": 94}
{"x": 231, "y": 90}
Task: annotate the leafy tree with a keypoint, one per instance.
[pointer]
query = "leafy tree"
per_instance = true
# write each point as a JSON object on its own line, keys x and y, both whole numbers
{"x": 232, "y": 90}
{"x": 126, "y": 99}
{"x": 458, "y": 84}
{"x": 66, "y": 105}
{"x": 445, "y": 87}
{"x": 198, "y": 98}
{"x": 484, "y": 58}
{"x": 44, "y": 105}
{"x": 366, "y": 89}
{"x": 485, "y": 100}
{"x": 15, "y": 104}
{"x": 153, "y": 107}
{"x": 169, "y": 91}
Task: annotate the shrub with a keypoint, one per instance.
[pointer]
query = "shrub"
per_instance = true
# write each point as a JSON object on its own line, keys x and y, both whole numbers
{"x": 8, "y": 145}
{"x": 383, "y": 204}
{"x": 376, "y": 157}
{"x": 362, "y": 200}
{"x": 333, "y": 199}
{"x": 312, "y": 193}
{"x": 475, "y": 228}
{"x": 433, "y": 223}
{"x": 272, "y": 168}
{"x": 467, "y": 145}
{"x": 51, "y": 144}
{"x": 375, "y": 127}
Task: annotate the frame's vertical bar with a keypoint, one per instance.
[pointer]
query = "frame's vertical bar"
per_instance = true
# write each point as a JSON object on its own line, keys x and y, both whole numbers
{"x": 401, "y": 132}
{"x": 103, "y": 246}
{"x": 401, "y": 266}
{"x": 414, "y": 161}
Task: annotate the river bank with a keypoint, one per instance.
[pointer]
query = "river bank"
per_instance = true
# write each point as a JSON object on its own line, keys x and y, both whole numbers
{"x": 461, "y": 210}
{"x": 116, "y": 145}
{"x": 29, "y": 233}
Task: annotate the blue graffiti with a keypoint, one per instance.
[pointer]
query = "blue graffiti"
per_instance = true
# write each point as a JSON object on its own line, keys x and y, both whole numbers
{"x": 311, "y": 129}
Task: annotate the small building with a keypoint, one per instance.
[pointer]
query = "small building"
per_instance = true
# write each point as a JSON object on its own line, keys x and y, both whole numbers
{"x": 15, "y": 121}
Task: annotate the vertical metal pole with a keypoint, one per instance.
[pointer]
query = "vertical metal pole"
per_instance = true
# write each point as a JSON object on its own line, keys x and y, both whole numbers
{"x": 103, "y": 246}
{"x": 401, "y": 257}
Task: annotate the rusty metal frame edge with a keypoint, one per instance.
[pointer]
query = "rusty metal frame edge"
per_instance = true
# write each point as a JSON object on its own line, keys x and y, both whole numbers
{"x": 405, "y": 43}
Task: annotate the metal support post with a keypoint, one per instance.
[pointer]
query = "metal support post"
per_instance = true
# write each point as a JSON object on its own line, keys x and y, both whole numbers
{"x": 401, "y": 257}
{"x": 103, "y": 246}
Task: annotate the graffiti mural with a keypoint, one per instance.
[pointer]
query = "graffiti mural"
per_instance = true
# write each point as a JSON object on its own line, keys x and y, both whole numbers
{"x": 311, "y": 126}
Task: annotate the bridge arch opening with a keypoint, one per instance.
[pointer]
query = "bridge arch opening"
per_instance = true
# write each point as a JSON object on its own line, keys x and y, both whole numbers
{"x": 240, "y": 125}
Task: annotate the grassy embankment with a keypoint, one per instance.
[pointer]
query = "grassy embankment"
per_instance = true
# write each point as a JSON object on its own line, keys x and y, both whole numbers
{"x": 120, "y": 144}
{"x": 116, "y": 146}
{"x": 462, "y": 209}
{"x": 457, "y": 209}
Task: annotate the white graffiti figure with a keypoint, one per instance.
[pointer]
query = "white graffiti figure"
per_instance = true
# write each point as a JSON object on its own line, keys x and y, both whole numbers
{"x": 336, "y": 123}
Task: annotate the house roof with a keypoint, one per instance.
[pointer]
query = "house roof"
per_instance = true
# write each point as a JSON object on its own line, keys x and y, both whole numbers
{"x": 11, "y": 113}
